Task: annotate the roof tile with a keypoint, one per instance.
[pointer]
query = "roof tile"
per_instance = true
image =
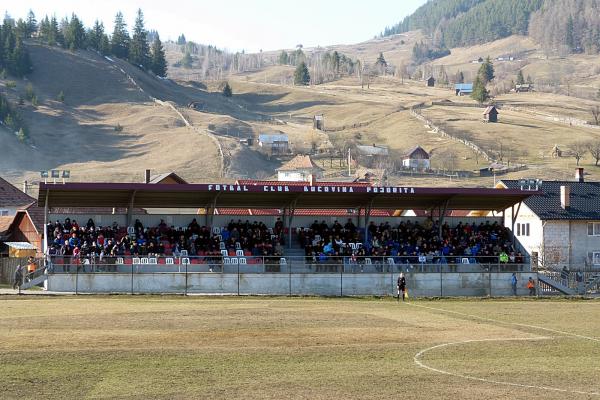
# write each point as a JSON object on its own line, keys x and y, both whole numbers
{"x": 585, "y": 200}
{"x": 10, "y": 196}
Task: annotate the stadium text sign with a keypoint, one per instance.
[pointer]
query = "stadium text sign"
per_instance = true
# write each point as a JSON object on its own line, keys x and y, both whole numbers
{"x": 309, "y": 189}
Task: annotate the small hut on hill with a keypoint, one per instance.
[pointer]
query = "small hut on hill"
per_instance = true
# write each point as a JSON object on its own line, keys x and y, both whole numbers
{"x": 490, "y": 114}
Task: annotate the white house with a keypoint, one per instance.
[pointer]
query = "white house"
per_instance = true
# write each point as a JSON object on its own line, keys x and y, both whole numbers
{"x": 560, "y": 226}
{"x": 299, "y": 169}
{"x": 417, "y": 158}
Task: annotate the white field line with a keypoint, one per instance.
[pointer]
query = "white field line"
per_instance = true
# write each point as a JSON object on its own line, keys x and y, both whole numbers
{"x": 420, "y": 354}
{"x": 594, "y": 339}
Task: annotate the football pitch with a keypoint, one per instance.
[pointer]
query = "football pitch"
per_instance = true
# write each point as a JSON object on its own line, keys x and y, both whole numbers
{"x": 146, "y": 347}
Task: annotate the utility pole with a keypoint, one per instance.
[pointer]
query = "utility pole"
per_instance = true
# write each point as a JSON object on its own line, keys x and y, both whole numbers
{"x": 349, "y": 163}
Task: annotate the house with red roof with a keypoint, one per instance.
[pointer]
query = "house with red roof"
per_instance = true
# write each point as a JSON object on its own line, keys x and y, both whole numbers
{"x": 299, "y": 169}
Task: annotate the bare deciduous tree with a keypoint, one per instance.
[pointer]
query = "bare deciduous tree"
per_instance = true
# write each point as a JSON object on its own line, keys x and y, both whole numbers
{"x": 594, "y": 148}
{"x": 596, "y": 114}
{"x": 577, "y": 151}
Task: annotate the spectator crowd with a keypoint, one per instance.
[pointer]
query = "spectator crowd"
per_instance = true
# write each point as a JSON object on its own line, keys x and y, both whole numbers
{"x": 93, "y": 242}
{"x": 410, "y": 243}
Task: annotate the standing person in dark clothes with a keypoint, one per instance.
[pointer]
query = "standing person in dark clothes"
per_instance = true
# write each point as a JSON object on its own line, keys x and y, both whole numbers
{"x": 401, "y": 286}
{"x": 18, "y": 278}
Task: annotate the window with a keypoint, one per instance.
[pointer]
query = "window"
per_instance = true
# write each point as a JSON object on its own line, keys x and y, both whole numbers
{"x": 593, "y": 228}
{"x": 523, "y": 229}
{"x": 594, "y": 257}
{"x": 3, "y": 213}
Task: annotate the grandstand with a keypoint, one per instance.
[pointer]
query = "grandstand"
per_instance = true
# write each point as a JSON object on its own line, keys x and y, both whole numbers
{"x": 263, "y": 237}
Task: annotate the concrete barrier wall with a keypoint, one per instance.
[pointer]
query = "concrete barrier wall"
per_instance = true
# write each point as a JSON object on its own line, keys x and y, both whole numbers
{"x": 419, "y": 284}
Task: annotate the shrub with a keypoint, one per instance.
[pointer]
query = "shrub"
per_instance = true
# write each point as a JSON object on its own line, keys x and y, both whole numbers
{"x": 29, "y": 93}
{"x": 61, "y": 97}
{"x": 21, "y": 135}
{"x": 227, "y": 92}
{"x": 11, "y": 84}
{"x": 118, "y": 128}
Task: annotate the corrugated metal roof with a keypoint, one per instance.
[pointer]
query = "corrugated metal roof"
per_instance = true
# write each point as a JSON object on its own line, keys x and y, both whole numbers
{"x": 463, "y": 86}
{"x": 373, "y": 150}
{"x": 272, "y": 138}
{"x": 20, "y": 245}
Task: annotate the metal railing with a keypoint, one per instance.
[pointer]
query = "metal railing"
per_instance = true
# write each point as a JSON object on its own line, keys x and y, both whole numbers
{"x": 277, "y": 264}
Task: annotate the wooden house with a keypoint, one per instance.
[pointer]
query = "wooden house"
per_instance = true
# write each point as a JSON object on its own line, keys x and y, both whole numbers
{"x": 319, "y": 122}
{"x": 417, "y": 158}
{"x": 430, "y": 81}
{"x": 490, "y": 114}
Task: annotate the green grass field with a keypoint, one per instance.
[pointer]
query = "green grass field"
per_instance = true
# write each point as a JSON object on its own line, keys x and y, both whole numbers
{"x": 274, "y": 348}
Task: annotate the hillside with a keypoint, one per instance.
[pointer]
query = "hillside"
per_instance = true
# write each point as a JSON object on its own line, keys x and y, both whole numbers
{"x": 159, "y": 130}
{"x": 101, "y": 94}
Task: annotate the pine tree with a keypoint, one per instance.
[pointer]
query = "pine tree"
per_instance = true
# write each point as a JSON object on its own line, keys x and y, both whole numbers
{"x": 460, "y": 77}
{"x": 44, "y": 32}
{"x": 120, "y": 38}
{"x": 381, "y": 63}
{"x": 55, "y": 36}
{"x": 186, "y": 61}
{"x": 159, "y": 63}
{"x": 31, "y": 24}
{"x": 95, "y": 36}
{"x": 139, "y": 50}
{"x": 301, "y": 75}
{"x": 20, "y": 63}
{"x": 105, "y": 45}
{"x": 21, "y": 29}
{"x": 520, "y": 78}
{"x": 486, "y": 71}
{"x": 570, "y": 33}
{"x": 283, "y": 58}
{"x": 181, "y": 40}
{"x": 227, "y": 91}
{"x": 75, "y": 34}
{"x": 480, "y": 93}
{"x": 335, "y": 58}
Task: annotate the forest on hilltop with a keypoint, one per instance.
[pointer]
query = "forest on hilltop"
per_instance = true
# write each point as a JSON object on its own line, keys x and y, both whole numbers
{"x": 565, "y": 26}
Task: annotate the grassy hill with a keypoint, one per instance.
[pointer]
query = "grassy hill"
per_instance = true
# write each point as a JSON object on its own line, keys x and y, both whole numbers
{"x": 101, "y": 94}
{"x": 159, "y": 130}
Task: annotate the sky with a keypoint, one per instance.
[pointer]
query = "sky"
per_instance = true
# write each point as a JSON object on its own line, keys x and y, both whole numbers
{"x": 236, "y": 25}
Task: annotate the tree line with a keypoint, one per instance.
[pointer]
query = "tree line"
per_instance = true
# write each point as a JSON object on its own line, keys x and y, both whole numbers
{"x": 138, "y": 49}
{"x": 560, "y": 26}
{"x": 567, "y": 26}
{"x": 454, "y": 23}
{"x": 14, "y": 57}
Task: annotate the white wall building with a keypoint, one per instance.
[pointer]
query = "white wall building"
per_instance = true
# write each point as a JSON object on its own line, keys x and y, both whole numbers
{"x": 417, "y": 159}
{"x": 561, "y": 226}
{"x": 299, "y": 169}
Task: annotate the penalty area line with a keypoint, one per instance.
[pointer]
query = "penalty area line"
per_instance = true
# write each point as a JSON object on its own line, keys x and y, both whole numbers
{"x": 418, "y": 360}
